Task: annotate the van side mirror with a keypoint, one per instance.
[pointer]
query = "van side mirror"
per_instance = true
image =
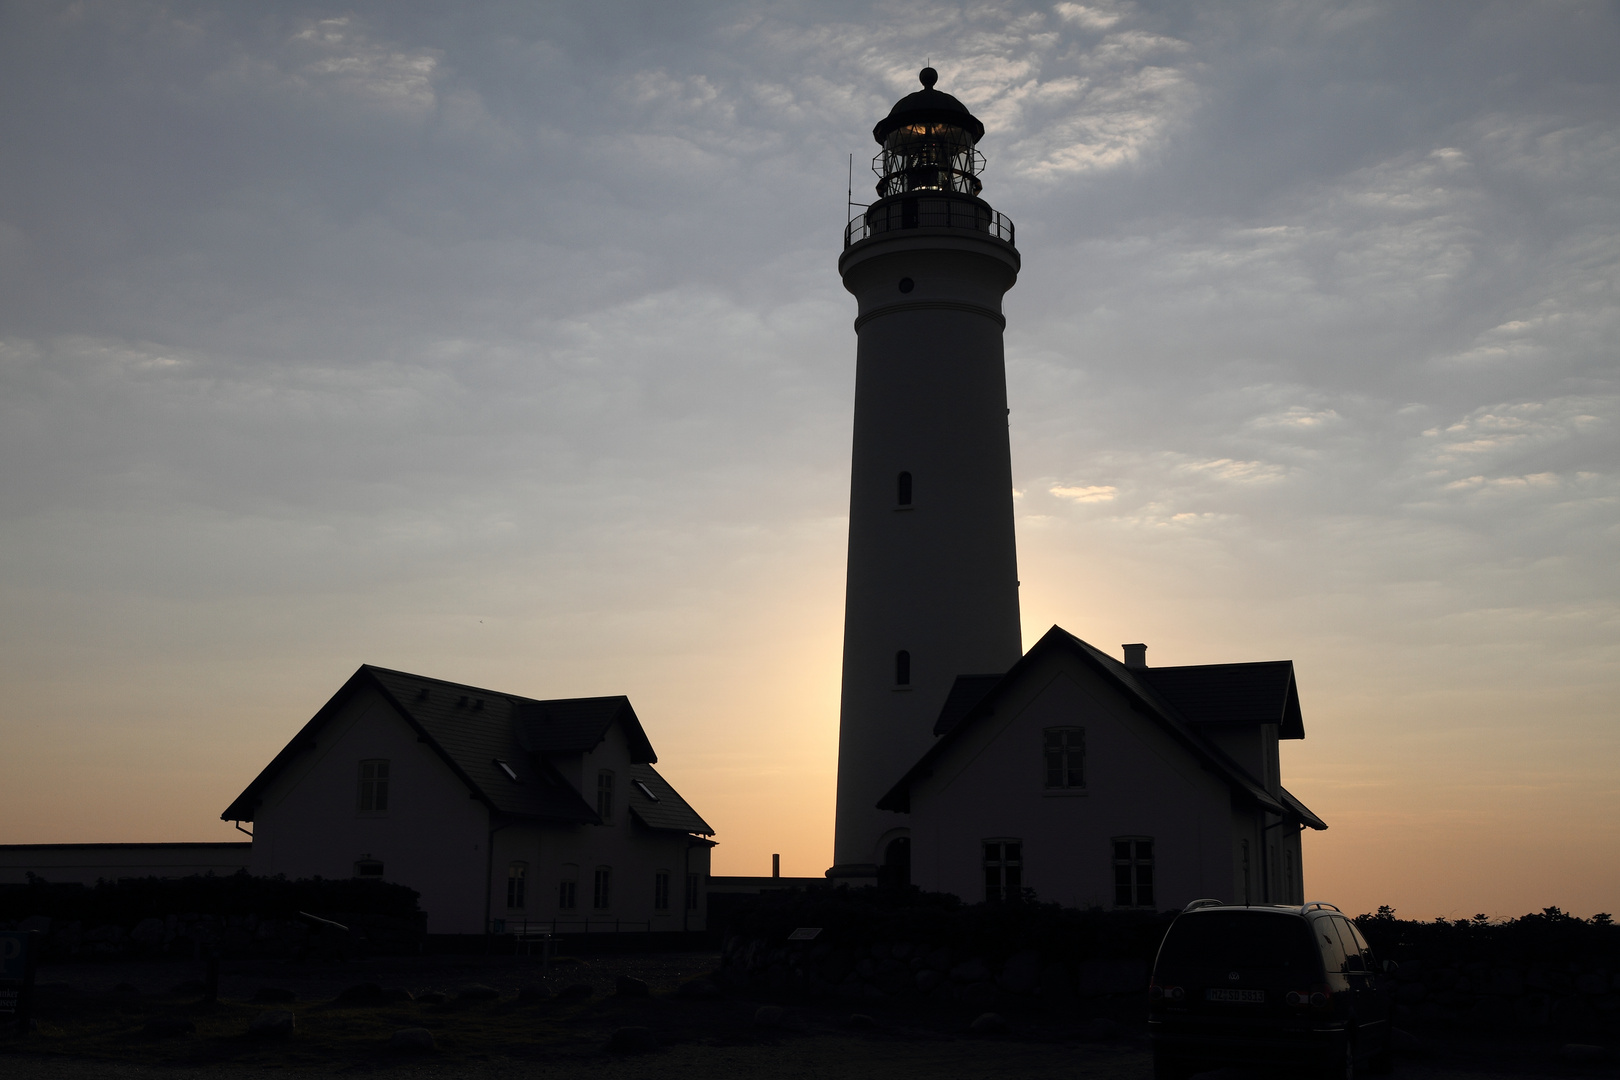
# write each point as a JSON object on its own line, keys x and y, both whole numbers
{"x": 1391, "y": 967}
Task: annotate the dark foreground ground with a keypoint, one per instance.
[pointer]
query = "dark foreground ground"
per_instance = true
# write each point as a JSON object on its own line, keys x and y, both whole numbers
{"x": 94, "y": 1017}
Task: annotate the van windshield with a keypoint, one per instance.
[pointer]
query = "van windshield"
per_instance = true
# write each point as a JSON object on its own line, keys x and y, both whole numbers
{"x": 1238, "y": 939}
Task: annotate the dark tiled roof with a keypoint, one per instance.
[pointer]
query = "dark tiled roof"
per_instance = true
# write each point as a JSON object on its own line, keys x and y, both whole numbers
{"x": 1261, "y": 693}
{"x": 966, "y": 692}
{"x": 1302, "y": 811}
{"x": 473, "y": 730}
{"x": 576, "y": 725}
{"x": 1139, "y": 690}
{"x": 669, "y": 811}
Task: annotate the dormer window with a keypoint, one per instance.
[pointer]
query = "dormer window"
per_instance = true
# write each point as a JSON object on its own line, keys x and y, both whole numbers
{"x": 511, "y": 773}
{"x": 645, "y": 790}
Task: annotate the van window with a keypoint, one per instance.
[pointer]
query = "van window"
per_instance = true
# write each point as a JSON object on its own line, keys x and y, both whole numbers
{"x": 1327, "y": 940}
{"x": 1240, "y": 939}
{"x": 1352, "y": 948}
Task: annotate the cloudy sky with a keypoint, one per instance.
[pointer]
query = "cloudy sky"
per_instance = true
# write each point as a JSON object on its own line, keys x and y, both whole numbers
{"x": 504, "y": 342}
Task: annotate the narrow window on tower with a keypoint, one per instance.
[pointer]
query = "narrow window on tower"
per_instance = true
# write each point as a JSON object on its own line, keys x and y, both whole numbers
{"x": 902, "y": 496}
{"x": 902, "y": 668}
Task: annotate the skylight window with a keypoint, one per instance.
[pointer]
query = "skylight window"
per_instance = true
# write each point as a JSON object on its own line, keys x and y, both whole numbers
{"x": 645, "y": 790}
{"x": 511, "y": 773}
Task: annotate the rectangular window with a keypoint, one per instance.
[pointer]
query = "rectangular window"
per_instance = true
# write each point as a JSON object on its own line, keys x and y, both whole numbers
{"x": 567, "y": 889}
{"x": 604, "y": 795}
{"x": 1003, "y": 870}
{"x": 515, "y": 885}
{"x": 602, "y": 888}
{"x": 373, "y": 786}
{"x": 661, "y": 890}
{"x": 691, "y": 892}
{"x": 1133, "y": 872}
{"x": 1065, "y": 750}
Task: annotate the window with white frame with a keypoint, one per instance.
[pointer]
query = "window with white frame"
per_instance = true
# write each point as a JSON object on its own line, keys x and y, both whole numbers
{"x": 604, "y": 795}
{"x": 1133, "y": 871}
{"x": 373, "y": 797}
{"x": 1064, "y": 752}
{"x": 1003, "y": 869}
{"x": 602, "y": 888}
{"x": 568, "y": 887}
{"x": 517, "y": 886}
{"x": 661, "y": 890}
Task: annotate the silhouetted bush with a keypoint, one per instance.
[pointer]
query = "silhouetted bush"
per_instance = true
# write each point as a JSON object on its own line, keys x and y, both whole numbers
{"x": 1550, "y": 936}
{"x": 129, "y": 900}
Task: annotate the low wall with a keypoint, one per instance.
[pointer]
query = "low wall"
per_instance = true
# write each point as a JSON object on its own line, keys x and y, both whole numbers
{"x": 86, "y": 864}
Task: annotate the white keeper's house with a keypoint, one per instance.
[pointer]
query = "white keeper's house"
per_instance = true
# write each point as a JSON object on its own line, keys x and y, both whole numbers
{"x": 498, "y": 809}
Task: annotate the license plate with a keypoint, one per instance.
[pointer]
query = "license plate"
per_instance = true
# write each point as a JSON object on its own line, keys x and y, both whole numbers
{"x": 1246, "y": 997}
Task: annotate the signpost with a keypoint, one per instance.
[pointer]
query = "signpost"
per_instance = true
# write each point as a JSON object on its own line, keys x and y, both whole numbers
{"x": 19, "y": 953}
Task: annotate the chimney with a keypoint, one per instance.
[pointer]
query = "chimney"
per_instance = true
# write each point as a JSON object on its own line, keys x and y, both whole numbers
{"x": 776, "y": 866}
{"x": 1135, "y": 655}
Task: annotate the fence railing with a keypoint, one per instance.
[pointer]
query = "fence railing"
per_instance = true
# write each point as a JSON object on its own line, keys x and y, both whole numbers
{"x": 922, "y": 212}
{"x": 582, "y": 925}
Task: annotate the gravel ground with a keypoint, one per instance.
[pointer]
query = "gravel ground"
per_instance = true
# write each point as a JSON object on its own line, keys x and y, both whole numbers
{"x": 93, "y": 1030}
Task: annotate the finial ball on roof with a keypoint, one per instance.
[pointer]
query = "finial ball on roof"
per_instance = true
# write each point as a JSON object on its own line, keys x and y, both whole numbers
{"x": 929, "y": 77}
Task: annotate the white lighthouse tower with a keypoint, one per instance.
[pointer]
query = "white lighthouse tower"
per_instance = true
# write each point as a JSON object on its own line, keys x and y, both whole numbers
{"x": 932, "y": 589}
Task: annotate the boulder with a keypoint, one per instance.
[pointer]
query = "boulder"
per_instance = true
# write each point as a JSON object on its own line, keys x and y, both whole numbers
{"x": 411, "y": 1040}
{"x": 1585, "y": 1052}
{"x": 189, "y": 988}
{"x": 861, "y": 1022}
{"x": 927, "y": 979}
{"x": 360, "y": 994}
{"x": 477, "y": 992}
{"x": 988, "y": 1024}
{"x": 768, "y": 1016}
{"x": 702, "y": 989}
{"x": 275, "y": 1024}
{"x": 397, "y": 994}
{"x": 126, "y": 988}
{"x": 167, "y": 1027}
{"x": 273, "y": 995}
{"x": 632, "y": 1040}
{"x": 575, "y": 992}
{"x": 1021, "y": 974}
{"x": 533, "y": 993}
{"x": 432, "y": 997}
{"x": 971, "y": 970}
{"x": 626, "y": 986}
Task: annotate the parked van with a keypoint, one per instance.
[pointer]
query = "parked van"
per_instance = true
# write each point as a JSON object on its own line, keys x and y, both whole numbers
{"x": 1267, "y": 985}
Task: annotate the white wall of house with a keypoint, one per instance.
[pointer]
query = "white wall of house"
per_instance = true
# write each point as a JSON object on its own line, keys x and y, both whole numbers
{"x": 432, "y": 836}
{"x": 632, "y": 854}
{"x": 1139, "y": 783}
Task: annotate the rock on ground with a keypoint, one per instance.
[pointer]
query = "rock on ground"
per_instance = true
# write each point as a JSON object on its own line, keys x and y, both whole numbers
{"x": 412, "y": 1040}
{"x": 276, "y": 1024}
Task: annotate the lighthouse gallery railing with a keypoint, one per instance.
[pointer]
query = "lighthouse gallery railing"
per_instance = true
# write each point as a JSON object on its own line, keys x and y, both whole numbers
{"x": 893, "y": 215}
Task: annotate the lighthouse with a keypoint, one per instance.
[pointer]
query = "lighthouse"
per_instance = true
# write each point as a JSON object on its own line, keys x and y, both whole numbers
{"x": 932, "y": 586}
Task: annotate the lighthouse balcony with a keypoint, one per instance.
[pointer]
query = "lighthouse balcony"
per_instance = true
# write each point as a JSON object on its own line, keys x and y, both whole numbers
{"x": 939, "y": 211}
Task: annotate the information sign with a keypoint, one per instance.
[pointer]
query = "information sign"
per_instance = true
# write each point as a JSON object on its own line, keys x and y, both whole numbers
{"x": 19, "y": 951}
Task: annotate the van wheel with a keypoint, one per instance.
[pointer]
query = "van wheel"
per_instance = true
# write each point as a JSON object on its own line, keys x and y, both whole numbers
{"x": 1169, "y": 1068}
{"x": 1383, "y": 1062}
{"x": 1342, "y": 1065}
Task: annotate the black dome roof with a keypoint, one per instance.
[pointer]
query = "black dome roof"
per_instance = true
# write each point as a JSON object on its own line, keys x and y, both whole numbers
{"x": 928, "y": 106}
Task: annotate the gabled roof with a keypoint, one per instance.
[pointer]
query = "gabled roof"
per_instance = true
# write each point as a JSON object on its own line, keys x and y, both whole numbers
{"x": 966, "y": 692}
{"x": 576, "y": 725}
{"x": 472, "y": 730}
{"x": 1138, "y": 691}
{"x": 666, "y": 809}
{"x": 1262, "y": 693}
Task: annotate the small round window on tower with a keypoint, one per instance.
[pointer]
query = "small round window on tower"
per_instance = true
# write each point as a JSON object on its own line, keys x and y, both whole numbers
{"x": 906, "y": 284}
